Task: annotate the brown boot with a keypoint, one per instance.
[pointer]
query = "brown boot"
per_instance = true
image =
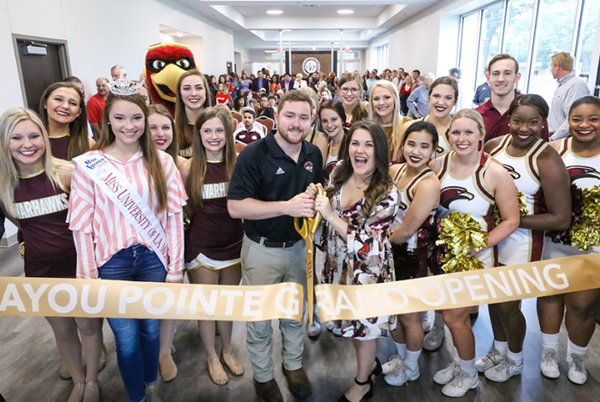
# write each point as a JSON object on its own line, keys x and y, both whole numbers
{"x": 268, "y": 391}
{"x": 298, "y": 382}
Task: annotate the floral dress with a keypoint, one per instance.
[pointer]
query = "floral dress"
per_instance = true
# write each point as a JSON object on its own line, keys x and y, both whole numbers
{"x": 364, "y": 257}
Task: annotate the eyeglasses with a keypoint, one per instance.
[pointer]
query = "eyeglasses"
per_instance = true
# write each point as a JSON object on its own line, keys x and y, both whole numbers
{"x": 351, "y": 90}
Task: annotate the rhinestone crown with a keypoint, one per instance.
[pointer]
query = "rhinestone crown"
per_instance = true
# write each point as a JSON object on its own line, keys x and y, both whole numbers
{"x": 125, "y": 87}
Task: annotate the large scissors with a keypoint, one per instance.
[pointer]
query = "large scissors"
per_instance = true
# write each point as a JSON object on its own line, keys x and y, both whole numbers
{"x": 307, "y": 231}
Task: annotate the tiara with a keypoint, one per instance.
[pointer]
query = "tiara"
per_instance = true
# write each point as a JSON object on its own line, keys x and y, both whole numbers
{"x": 125, "y": 87}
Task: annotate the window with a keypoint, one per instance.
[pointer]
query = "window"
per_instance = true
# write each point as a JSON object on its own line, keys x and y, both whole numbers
{"x": 380, "y": 56}
{"x": 468, "y": 46}
{"x": 489, "y": 44}
{"x": 554, "y": 34}
{"x": 517, "y": 34}
{"x": 587, "y": 35}
{"x": 531, "y": 31}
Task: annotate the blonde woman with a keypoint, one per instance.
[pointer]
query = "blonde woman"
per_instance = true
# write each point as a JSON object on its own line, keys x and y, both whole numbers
{"x": 384, "y": 108}
{"x": 30, "y": 176}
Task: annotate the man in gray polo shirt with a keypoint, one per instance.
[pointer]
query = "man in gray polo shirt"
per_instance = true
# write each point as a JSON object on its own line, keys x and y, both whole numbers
{"x": 267, "y": 190}
{"x": 570, "y": 88}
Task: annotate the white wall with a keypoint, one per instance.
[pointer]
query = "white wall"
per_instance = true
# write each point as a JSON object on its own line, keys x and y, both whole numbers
{"x": 101, "y": 33}
{"x": 428, "y": 41}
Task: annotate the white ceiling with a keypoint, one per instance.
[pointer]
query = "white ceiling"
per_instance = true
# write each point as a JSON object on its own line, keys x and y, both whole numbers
{"x": 308, "y": 10}
{"x": 314, "y": 23}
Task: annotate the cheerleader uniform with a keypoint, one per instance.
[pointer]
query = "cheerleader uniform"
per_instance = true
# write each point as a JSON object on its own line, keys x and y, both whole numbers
{"x": 214, "y": 239}
{"x": 330, "y": 163}
{"x": 41, "y": 209}
{"x": 584, "y": 173}
{"x": 469, "y": 195}
{"x": 410, "y": 258}
{"x": 59, "y": 146}
{"x": 188, "y": 152}
{"x": 523, "y": 245}
{"x": 443, "y": 147}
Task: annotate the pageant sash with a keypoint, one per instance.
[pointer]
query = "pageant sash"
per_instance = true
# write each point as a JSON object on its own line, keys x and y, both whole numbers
{"x": 462, "y": 289}
{"x": 58, "y": 297}
{"x": 125, "y": 197}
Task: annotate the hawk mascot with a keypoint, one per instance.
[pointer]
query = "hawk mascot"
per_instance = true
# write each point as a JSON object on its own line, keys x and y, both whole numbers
{"x": 165, "y": 62}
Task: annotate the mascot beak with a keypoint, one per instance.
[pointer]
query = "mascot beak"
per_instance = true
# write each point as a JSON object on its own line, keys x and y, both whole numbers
{"x": 165, "y": 82}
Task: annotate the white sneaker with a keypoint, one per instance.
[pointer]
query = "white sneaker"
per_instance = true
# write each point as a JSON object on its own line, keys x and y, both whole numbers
{"x": 434, "y": 338}
{"x": 392, "y": 365}
{"x": 577, "y": 371}
{"x": 427, "y": 320}
{"x": 447, "y": 374}
{"x": 488, "y": 361}
{"x": 329, "y": 325}
{"x": 402, "y": 375}
{"x": 549, "y": 364}
{"x": 337, "y": 331}
{"x": 460, "y": 385}
{"x": 502, "y": 371}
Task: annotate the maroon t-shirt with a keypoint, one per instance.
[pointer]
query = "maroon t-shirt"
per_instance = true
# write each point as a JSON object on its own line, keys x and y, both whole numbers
{"x": 60, "y": 147}
{"x": 213, "y": 232}
{"x": 41, "y": 210}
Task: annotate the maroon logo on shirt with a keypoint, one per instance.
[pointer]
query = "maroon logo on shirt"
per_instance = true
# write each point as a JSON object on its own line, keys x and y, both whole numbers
{"x": 308, "y": 166}
{"x": 453, "y": 193}
{"x": 581, "y": 172}
{"x": 512, "y": 172}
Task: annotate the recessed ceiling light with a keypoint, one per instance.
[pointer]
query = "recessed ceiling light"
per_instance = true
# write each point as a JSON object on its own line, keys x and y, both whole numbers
{"x": 274, "y": 12}
{"x": 345, "y": 11}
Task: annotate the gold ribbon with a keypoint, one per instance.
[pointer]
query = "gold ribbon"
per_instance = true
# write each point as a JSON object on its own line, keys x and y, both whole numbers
{"x": 124, "y": 299}
{"x": 307, "y": 231}
{"x": 458, "y": 290}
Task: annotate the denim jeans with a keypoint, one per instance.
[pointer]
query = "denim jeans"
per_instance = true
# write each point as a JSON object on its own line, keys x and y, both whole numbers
{"x": 137, "y": 341}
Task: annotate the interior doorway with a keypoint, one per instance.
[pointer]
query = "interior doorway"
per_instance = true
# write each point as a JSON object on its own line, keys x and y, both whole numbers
{"x": 41, "y": 62}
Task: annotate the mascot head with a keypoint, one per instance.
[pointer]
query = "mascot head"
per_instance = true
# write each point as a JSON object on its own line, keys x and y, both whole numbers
{"x": 165, "y": 62}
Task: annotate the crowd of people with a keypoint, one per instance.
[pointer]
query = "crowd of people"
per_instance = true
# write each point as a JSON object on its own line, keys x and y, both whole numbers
{"x": 375, "y": 156}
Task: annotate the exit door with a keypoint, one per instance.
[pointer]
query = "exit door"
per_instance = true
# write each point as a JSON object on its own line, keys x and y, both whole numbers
{"x": 41, "y": 63}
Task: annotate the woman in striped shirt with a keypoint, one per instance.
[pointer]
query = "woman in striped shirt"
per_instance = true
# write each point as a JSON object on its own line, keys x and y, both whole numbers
{"x": 110, "y": 246}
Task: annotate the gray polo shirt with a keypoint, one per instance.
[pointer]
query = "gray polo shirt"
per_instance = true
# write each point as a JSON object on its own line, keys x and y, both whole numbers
{"x": 570, "y": 88}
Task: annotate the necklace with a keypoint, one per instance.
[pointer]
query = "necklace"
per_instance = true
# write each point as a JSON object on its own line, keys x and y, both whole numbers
{"x": 356, "y": 184}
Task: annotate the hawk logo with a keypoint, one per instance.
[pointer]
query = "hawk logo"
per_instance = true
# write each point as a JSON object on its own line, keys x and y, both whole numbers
{"x": 453, "y": 193}
{"x": 512, "y": 172}
{"x": 308, "y": 166}
{"x": 582, "y": 172}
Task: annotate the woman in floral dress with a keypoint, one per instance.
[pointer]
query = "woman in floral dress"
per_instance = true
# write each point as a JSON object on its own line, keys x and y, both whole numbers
{"x": 359, "y": 209}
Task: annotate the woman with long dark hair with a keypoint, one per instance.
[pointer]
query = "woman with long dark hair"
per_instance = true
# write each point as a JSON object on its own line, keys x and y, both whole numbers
{"x": 419, "y": 198}
{"x": 191, "y": 98}
{"x": 214, "y": 240}
{"x": 360, "y": 206}
{"x": 62, "y": 110}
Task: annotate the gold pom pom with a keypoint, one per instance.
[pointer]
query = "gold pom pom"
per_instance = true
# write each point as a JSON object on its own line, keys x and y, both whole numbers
{"x": 461, "y": 234}
{"x": 585, "y": 233}
{"x": 522, "y": 209}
